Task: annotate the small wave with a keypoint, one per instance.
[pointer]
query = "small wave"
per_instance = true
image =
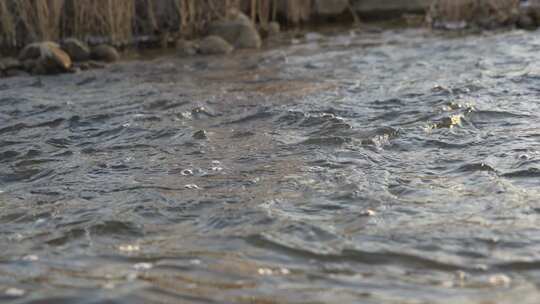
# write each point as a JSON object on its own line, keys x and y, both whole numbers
{"x": 484, "y": 116}
{"x": 14, "y": 128}
{"x": 531, "y": 172}
{"x": 476, "y": 167}
{"x": 327, "y": 141}
{"x": 446, "y": 145}
{"x": 8, "y": 155}
{"x": 351, "y": 255}
{"x": 164, "y": 105}
{"x": 261, "y": 115}
{"x": 29, "y": 175}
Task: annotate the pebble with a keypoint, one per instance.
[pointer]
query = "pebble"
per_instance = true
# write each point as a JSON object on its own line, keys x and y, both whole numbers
{"x": 500, "y": 280}
{"x": 143, "y": 266}
{"x": 368, "y": 212}
{"x": 480, "y": 267}
{"x": 284, "y": 271}
{"x": 76, "y": 49}
{"x": 447, "y": 284}
{"x": 129, "y": 248}
{"x": 239, "y": 31}
{"x": 269, "y": 272}
{"x": 214, "y": 45}
{"x": 105, "y": 53}
{"x": 30, "y": 258}
{"x": 265, "y": 271}
{"x": 15, "y": 292}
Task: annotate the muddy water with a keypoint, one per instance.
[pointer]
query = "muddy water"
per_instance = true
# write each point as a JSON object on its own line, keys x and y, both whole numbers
{"x": 368, "y": 167}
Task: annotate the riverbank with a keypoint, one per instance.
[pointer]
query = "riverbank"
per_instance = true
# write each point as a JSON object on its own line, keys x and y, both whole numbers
{"x": 81, "y": 37}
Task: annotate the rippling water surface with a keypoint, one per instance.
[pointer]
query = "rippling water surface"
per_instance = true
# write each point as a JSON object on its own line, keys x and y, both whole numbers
{"x": 376, "y": 167}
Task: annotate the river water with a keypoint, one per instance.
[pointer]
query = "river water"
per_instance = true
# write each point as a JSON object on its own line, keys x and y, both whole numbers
{"x": 396, "y": 166}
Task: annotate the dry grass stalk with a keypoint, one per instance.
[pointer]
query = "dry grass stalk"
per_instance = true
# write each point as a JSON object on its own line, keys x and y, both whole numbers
{"x": 111, "y": 20}
{"x": 117, "y": 21}
{"x": 8, "y": 35}
{"x": 24, "y": 21}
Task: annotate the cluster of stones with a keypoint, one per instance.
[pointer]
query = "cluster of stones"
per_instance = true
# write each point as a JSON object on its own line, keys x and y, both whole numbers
{"x": 72, "y": 55}
{"x": 238, "y": 32}
{"x": 48, "y": 57}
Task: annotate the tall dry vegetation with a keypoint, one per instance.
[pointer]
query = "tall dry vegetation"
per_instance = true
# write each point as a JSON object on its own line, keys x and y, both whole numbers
{"x": 8, "y": 36}
{"x": 474, "y": 12}
{"x": 117, "y": 21}
{"x": 106, "y": 19}
{"x": 23, "y": 21}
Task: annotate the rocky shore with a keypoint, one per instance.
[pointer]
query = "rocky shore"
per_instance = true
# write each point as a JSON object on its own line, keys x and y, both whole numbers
{"x": 72, "y": 55}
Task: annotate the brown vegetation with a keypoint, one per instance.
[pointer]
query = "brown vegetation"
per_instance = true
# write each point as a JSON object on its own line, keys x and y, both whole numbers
{"x": 107, "y": 19}
{"x": 118, "y": 21}
{"x": 24, "y": 21}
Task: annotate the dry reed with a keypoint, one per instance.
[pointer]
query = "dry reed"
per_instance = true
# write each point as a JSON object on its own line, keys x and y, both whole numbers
{"x": 24, "y": 21}
{"x": 484, "y": 13}
{"x": 109, "y": 20}
{"x": 118, "y": 21}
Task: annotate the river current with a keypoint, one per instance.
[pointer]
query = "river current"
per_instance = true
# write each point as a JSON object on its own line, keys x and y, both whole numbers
{"x": 395, "y": 166}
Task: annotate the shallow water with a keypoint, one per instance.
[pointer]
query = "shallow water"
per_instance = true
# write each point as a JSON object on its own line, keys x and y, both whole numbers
{"x": 367, "y": 167}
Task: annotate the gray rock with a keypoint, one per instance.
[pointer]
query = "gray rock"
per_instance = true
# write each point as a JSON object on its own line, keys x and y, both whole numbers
{"x": 185, "y": 48}
{"x": 105, "y": 53}
{"x": 9, "y": 63}
{"x": 331, "y": 7}
{"x": 53, "y": 60}
{"x": 273, "y": 28}
{"x": 44, "y": 58}
{"x": 269, "y": 30}
{"x": 34, "y": 50}
{"x": 76, "y": 49}
{"x": 240, "y": 31}
{"x": 214, "y": 45}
